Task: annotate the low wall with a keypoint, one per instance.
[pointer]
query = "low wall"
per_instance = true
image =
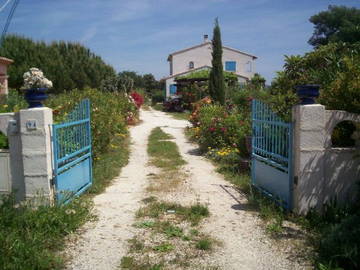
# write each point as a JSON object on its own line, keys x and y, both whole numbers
{"x": 322, "y": 173}
{"x": 5, "y": 180}
{"x": 342, "y": 171}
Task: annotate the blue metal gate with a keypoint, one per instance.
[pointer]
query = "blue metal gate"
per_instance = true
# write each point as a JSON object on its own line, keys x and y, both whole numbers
{"x": 72, "y": 153}
{"x": 271, "y": 154}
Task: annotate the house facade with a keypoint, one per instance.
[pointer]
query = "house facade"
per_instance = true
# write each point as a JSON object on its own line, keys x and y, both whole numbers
{"x": 199, "y": 57}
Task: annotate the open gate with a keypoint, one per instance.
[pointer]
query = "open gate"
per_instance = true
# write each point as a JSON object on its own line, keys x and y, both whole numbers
{"x": 271, "y": 166}
{"x": 72, "y": 153}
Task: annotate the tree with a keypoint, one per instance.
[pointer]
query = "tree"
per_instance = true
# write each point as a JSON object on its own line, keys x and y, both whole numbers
{"x": 338, "y": 23}
{"x": 216, "y": 79}
{"x": 150, "y": 83}
{"x": 257, "y": 82}
{"x": 68, "y": 65}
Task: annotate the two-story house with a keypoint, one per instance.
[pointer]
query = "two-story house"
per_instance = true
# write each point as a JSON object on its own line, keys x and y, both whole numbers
{"x": 199, "y": 57}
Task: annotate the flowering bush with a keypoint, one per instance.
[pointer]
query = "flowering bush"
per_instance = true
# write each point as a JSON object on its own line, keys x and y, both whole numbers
{"x": 137, "y": 99}
{"x": 109, "y": 113}
{"x": 194, "y": 117}
{"x": 217, "y": 128}
{"x": 34, "y": 78}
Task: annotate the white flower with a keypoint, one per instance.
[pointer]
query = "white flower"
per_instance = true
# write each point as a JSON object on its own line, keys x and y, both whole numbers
{"x": 34, "y": 78}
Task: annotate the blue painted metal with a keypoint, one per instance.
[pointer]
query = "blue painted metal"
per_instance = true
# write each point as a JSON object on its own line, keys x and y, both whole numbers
{"x": 271, "y": 170}
{"x": 72, "y": 153}
{"x": 230, "y": 66}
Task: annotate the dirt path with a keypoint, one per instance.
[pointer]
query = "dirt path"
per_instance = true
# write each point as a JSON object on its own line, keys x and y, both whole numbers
{"x": 245, "y": 244}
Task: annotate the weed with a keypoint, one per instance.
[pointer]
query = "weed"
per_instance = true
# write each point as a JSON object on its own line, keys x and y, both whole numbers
{"x": 194, "y": 232}
{"x": 109, "y": 164}
{"x": 30, "y": 236}
{"x": 194, "y": 214}
{"x": 130, "y": 263}
{"x": 149, "y": 199}
{"x": 186, "y": 238}
{"x": 204, "y": 244}
{"x": 173, "y": 231}
{"x": 164, "y": 247}
{"x": 274, "y": 227}
{"x": 145, "y": 224}
{"x": 136, "y": 245}
{"x": 197, "y": 212}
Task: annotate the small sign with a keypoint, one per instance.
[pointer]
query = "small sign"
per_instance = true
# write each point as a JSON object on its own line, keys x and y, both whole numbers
{"x": 31, "y": 124}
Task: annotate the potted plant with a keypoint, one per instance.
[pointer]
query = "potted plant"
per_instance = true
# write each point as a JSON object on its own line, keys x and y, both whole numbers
{"x": 307, "y": 93}
{"x": 35, "y": 85}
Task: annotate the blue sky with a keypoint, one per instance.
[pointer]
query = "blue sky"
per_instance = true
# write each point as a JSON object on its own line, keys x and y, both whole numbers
{"x": 139, "y": 34}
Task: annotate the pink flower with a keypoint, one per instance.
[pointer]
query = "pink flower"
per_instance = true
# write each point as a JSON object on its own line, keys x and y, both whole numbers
{"x": 212, "y": 129}
{"x": 223, "y": 129}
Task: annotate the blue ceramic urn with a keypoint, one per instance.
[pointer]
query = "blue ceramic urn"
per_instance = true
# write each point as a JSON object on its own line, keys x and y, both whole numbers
{"x": 35, "y": 97}
{"x": 307, "y": 93}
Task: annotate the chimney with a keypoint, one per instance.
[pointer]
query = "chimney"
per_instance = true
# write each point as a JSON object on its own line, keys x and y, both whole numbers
{"x": 206, "y": 38}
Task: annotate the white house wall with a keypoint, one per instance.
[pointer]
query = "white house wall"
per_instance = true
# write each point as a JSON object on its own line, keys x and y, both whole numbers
{"x": 201, "y": 56}
{"x": 241, "y": 61}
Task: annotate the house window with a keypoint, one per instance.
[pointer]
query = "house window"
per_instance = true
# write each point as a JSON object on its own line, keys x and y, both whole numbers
{"x": 230, "y": 66}
{"x": 248, "y": 66}
{"x": 191, "y": 65}
{"x": 173, "y": 89}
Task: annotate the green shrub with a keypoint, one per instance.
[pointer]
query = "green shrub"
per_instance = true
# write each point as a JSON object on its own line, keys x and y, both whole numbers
{"x": 340, "y": 243}
{"x": 157, "y": 96}
{"x": 109, "y": 112}
{"x": 11, "y": 103}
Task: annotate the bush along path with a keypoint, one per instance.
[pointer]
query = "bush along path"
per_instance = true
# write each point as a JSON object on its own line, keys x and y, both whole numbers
{"x": 173, "y": 211}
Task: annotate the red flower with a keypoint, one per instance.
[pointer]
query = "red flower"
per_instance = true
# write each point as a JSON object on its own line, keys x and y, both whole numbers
{"x": 139, "y": 100}
{"x": 212, "y": 129}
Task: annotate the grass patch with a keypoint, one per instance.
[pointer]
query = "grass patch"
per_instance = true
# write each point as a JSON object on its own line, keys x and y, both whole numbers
{"x": 109, "y": 164}
{"x": 145, "y": 224}
{"x": 30, "y": 237}
{"x": 136, "y": 245}
{"x": 193, "y": 214}
{"x": 180, "y": 115}
{"x": 164, "y": 247}
{"x": 158, "y": 107}
{"x": 128, "y": 262}
{"x": 204, "y": 244}
{"x": 164, "y": 154}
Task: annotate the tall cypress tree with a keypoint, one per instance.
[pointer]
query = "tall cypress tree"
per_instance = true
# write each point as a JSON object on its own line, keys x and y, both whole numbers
{"x": 216, "y": 80}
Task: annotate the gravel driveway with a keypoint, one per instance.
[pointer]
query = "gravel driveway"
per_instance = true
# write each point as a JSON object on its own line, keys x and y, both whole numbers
{"x": 245, "y": 245}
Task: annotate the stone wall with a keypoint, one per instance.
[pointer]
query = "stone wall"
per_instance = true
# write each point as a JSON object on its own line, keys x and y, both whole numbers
{"x": 321, "y": 172}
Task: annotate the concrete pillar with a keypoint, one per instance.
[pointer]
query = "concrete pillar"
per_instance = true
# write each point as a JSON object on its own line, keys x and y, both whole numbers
{"x": 309, "y": 152}
{"x": 35, "y": 133}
